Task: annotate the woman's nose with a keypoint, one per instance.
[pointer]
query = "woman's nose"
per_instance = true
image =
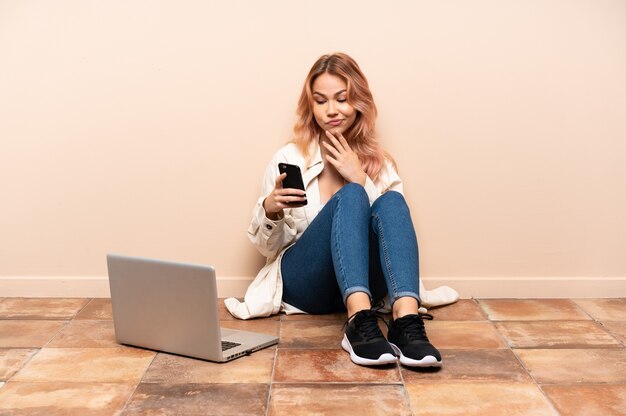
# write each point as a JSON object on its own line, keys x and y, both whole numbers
{"x": 331, "y": 110}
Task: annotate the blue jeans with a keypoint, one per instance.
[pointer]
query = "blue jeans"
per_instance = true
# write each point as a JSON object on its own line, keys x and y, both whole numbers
{"x": 352, "y": 247}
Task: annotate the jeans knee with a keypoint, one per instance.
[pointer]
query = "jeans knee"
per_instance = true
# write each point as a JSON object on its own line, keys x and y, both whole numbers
{"x": 390, "y": 201}
{"x": 355, "y": 191}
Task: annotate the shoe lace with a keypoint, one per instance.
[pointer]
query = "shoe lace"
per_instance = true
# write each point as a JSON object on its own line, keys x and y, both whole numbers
{"x": 366, "y": 322}
{"x": 414, "y": 328}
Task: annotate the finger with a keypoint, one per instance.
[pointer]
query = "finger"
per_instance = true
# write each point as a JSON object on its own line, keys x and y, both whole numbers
{"x": 291, "y": 191}
{"x": 333, "y": 161}
{"x": 331, "y": 149}
{"x": 334, "y": 141}
{"x": 344, "y": 142}
{"x": 279, "y": 180}
{"x": 296, "y": 205}
{"x": 289, "y": 201}
{"x": 337, "y": 145}
{"x": 295, "y": 199}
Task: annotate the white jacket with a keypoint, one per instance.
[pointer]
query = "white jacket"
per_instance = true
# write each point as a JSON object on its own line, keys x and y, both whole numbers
{"x": 273, "y": 238}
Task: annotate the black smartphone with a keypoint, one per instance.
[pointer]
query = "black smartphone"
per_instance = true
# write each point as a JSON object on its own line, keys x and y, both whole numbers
{"x": 293, "y": 178}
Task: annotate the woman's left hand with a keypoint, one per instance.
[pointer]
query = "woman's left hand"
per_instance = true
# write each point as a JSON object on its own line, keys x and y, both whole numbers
{"x": 344, "y": 159}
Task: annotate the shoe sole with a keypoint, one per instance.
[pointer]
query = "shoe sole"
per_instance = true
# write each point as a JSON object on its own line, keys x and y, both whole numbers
{"x": 382, "y": 360}
{"x": 427, "y": 361}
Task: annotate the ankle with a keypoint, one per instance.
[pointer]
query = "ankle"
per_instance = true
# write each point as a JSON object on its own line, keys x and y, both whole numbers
{"x": 405, "y": 306}
{"x": 357, "y": 302}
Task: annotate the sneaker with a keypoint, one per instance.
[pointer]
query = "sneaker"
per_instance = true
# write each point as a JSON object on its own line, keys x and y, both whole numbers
{"x": 407, "y": 336}
{"x": 365, "y": 342}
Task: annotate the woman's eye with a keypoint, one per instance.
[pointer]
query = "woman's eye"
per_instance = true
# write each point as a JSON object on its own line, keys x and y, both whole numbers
{"x": 320, "y": 102}
{"x": 341, "y": 100}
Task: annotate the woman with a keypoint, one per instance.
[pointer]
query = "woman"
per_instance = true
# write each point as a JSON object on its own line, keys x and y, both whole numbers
{"x": 348, "y": 239}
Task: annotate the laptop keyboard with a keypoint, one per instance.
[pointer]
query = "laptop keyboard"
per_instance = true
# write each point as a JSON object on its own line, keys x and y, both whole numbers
{"x": 226, "y": 345}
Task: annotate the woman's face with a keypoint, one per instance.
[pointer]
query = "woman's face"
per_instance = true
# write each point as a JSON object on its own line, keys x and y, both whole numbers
{"x": 330, "y": 105}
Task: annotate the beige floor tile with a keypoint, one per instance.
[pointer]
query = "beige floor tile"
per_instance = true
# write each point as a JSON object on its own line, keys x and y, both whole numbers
{"x": 311, "y": 334}
{"x": 28, "y": 333}
{"x": 85, "y": 334}
{"x": 478, "y": 399}
{"x": 573, "y": 366}
{"x": 338, "y": 399}
{"x": 590, "y": 400}
{"x": 11, "y": 360}
{"x": 60, "y": 399}
{"x": 317, "y": 365}
{"x": 255, "y": 368}
{"x": 263, "y": 326}
{"x": 617, "y": 329}
{"x": 198, "y": 399}
{"x": 604, "y": 309}
{"x": 462, "y": 310}
{"x": 115, "y": 365}
{"x": 472, "y": 366}
{"x": 464, "y": 334}
{"x": 97, "y": 309}
{"x": 40, "y": 308}
{"x": 532, "y": 310}
{"x": 555, "y": 334}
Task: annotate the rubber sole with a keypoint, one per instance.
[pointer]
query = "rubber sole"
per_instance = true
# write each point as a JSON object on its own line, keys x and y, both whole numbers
{"x": 427, "y": 361}
{"x": 382, "y": 360}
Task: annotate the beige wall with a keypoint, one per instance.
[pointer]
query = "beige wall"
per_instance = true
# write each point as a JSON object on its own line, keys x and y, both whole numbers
{"x": 144, "y": 127}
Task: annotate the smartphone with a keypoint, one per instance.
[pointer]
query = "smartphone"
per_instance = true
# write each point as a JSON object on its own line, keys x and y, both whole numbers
{"x": 293, "y": 179}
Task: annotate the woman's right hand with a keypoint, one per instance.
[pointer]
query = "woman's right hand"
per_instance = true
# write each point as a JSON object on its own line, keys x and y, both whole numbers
{"x": 281, "y": 198}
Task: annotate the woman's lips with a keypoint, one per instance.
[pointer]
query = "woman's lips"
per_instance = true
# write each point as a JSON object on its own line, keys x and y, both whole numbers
{"x": 335, "y": 123}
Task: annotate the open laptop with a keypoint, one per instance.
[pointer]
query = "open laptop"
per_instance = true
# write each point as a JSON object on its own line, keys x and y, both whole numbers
{"x": 173, "y": 307}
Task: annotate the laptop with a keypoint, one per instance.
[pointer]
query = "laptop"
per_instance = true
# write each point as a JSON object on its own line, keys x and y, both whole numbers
{"x": 173, "y": 307}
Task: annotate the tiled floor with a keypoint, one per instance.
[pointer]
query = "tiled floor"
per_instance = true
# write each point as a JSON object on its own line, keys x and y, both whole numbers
{"x": 501, "y": 357}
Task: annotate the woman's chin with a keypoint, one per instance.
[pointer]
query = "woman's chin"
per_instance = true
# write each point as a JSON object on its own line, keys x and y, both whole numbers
{"x": 335, "y": 131}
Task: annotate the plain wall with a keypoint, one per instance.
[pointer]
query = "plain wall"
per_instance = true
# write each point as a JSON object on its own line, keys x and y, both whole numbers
{"x": 144, "y": 127}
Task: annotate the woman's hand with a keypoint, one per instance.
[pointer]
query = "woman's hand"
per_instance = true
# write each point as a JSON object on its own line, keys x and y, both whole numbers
{"x": 344, "y": 159}
{"x": 281, "y": 198}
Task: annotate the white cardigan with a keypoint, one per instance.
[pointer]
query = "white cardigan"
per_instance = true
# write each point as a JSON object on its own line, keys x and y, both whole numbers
{"x": 273, "y": 238}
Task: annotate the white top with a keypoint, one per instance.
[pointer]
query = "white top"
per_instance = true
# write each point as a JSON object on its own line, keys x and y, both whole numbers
{"x": 273, "y": 238}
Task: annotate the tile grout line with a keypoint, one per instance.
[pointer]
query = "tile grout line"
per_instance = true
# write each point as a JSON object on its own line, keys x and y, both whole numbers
{"x": 618, "y": 344}
{"x": 404, "y": 390}
{"x": 271, "y": 383}
{"x": 519, "y": 360}
{"x": 83, "y": 308}
{"x": 22, "y": 366}
{"x": 601, "y": 323}
{"x": 130, "y": 396}
{"x": 38, "y": 349}
{"x": 67, "y": 323}
{"x": 611, "y": 333}
{"x": 56, "y": 334}
{"x": 536, "y": 382}
{"x": 398, "y": 368}
{"x": 120, "y": 411}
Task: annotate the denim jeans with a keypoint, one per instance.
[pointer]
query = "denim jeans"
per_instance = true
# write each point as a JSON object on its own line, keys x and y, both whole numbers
{"x": 352, "y": 247}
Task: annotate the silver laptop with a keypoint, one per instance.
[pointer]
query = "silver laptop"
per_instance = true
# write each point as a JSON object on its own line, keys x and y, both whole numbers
{"x": 173, "y": 307}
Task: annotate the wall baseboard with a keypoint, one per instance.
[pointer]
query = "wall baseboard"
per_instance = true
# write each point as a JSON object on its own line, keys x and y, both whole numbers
{"x": 533, "y": 287}
{"x": 91, "y": 286}
{"x": 468, "y": 287}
